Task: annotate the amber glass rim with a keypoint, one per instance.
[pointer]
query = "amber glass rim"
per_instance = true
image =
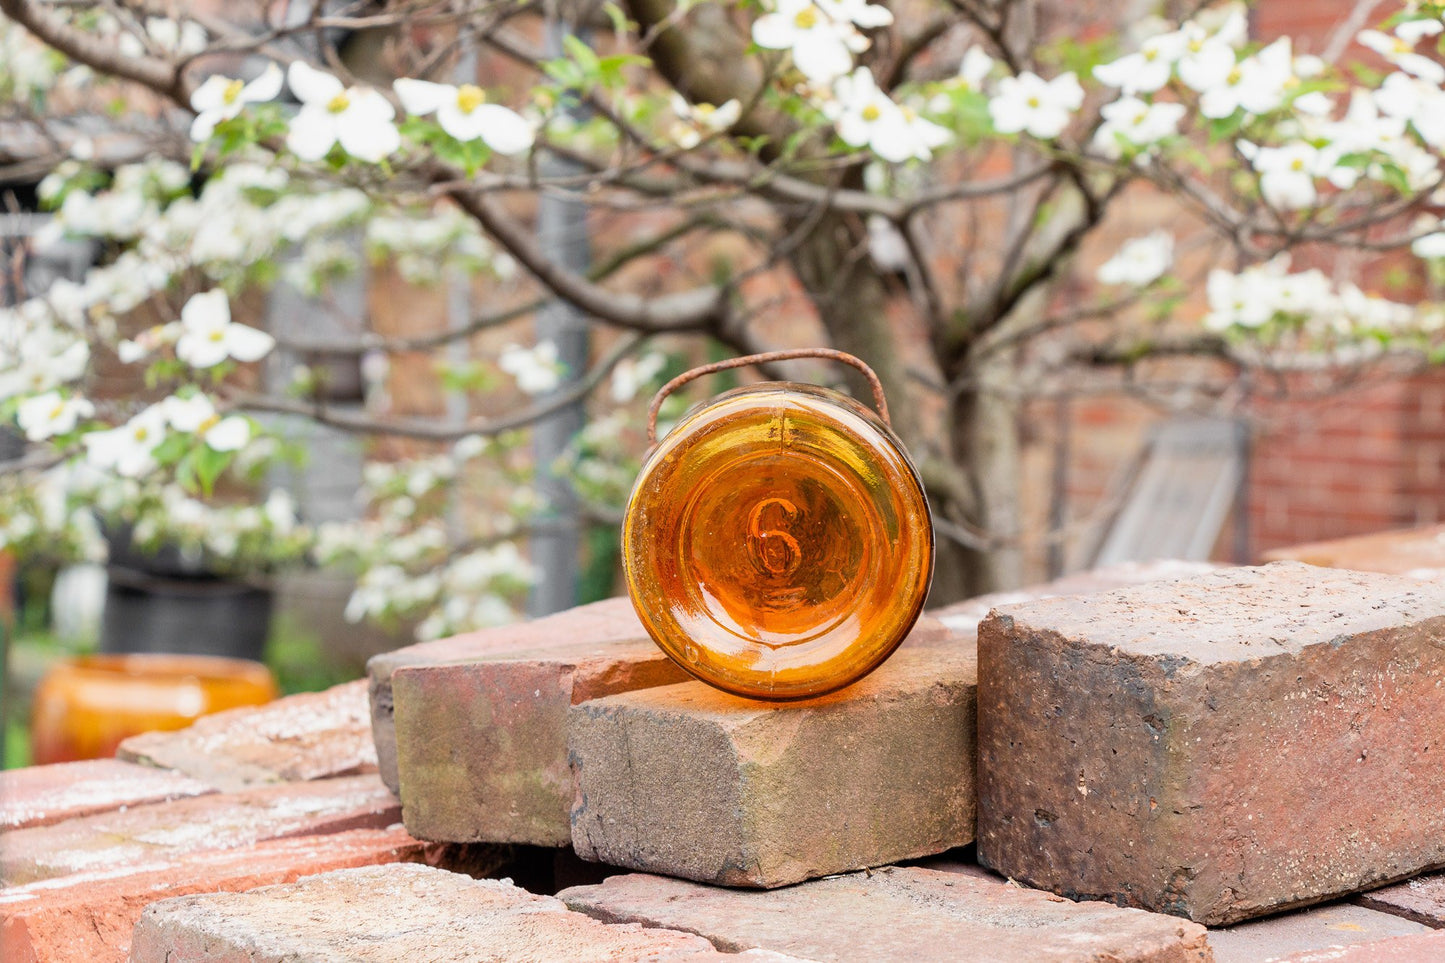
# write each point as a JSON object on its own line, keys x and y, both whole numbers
{"x": 873, "y": 420}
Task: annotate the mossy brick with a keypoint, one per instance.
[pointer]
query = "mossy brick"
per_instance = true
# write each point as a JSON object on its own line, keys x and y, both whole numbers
{"x": 402, "y": 913}
{"x": 1219, "y": 747}
{"x": 482, "y": 745}
{"x": 897, "y": 913}
{"x": 693, "y": 782}
{"x": 611, "y": 620}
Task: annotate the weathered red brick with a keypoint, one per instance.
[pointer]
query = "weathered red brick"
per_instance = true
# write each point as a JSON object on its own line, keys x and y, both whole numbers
{"x": 160, "y": 832}
{"x": 693, "y": 782}
{"x": 1219, "y": 747}
{"x": 611, "y": 620}
{"x": 89, "y": 917}
{"x": 1316, "y": 929}
{"x": 1421, "y": 899}
{"x": 402, "y": 913}
{"x": 40, "y": 795}
{"x": 1426, "y": 948}
{"x": 898, "y": 913}
{"x": 314, "y": 735}
{"x": 482, "y": 745}
{"x": 1419, "y": 552}
{"x": 962, "y": 618}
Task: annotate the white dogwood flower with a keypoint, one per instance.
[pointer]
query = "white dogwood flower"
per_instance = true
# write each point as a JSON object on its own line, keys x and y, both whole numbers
{"x": 696, "y": 121}
{"x": 1138, "y": 123}
{"x": 1287, "y": 174}
{"x": 50, "y": 414}
{"x": 1030, "y": 103}
{"x": 463, "y": 112}
{"x": 358, "y": 118}
{"x": 209, "y": 336}
{"x": 1416, "y": 102}
{"x": 537, "y": 370}
{"x": 821, "y": 43}
{"x": 222, "y": 98}
{"x": 866, "y": 116}
{"x": 1257, "y": 83}
{"x": 1206, "y": 59}
{"x": 1140, "y": 261}
{"x": 1146, "y": 69}
{"x": 975, "y": 68}
{"x": 129, "y": 449}
{"x": 197, "y": 415}
{"x": 1399, "y": 48}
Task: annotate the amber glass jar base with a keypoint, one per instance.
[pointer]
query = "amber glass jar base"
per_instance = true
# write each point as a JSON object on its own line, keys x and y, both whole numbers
{"x": 778, "y": 543}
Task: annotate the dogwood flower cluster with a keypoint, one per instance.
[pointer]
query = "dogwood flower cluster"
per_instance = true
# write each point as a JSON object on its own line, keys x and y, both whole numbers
{"x": 1269, "y": 294}
{"x": 821, "y": 36}
{"x": 1141, "y": 261}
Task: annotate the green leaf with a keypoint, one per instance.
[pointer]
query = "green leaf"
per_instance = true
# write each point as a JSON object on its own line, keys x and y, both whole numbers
{"x": 584, "y": 55}
{"x": 620, "y": 23}
{"x": 172, "y": 450}
{"x": 209, "y": 466}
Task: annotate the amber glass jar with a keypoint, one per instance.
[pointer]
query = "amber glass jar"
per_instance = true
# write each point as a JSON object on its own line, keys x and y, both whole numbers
{"x": 777, "y": 543}
{"x": 85, "y": 706}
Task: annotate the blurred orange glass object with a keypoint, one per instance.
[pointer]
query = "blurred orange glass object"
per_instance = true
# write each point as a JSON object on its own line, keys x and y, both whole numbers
{"x": 85, "y": 706}
{"x": 778, "y": 543}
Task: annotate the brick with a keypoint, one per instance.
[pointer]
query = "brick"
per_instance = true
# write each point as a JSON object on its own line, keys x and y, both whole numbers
{"x": 962, "y": 618}
{"x": 160, "y": 832}
{"x": 482, "y": 745}
{"x": 314, "y": 735}
{"x": 1418, "y": 552}
{"x": 1221, "y": 746}
{"x": 611, "y": 620}
{"x": 1404, "y": 949}
{"x": 1421, "y": 899}
{"x": 41, "y": 795}
{"x": 693, "y": 782}
{"x": 402, "y": 913}
{"x": 1319, "y": 929}
{"x": 89, "y": 917}
{"x": 897, "y": 913}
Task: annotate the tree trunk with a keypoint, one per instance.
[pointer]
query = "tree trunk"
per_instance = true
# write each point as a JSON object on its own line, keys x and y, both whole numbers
{"x": 984, "y": 438}
{"x": 851, "y": 298}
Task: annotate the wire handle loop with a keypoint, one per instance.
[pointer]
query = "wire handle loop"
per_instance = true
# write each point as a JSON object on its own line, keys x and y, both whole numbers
{"x": 767, "y": 357}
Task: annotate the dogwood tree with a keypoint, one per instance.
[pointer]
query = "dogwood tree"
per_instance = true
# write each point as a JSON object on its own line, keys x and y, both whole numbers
{"x": 934, "y": 186}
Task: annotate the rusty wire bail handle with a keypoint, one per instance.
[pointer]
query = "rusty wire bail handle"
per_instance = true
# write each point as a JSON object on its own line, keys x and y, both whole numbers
{"x": 767, "y": 357}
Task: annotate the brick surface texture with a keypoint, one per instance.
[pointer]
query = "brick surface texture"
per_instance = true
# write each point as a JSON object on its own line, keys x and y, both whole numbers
{"x": 693, "y": 782}
{"x": 1421, "y": 899}
{"x": 403, "y": 913}
{"x": 482, "y": 745}
{"x": 41, "y": 795}
{"x": 1418, "y": 552}
{"x": 912, "y": 914}
{"x": 611, "y": 620}
{"x": 1316, "y": 929}
{"x": 1406, "y": 949}
{"x": 135, "y": 837}
{"x": 88, "y": 917}
{"x": 1219, "y": 747}
{"x": 313, "y": 735}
